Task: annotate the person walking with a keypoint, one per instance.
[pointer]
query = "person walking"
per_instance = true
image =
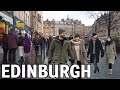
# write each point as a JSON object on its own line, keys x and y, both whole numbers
{"x": 59, "y": 49}
{"x": 36, "y": 44}
{"x": 4, "y": 43}
{"x": 27, "y": 45}
{"x": 86, "y": 42}
{"x": 79, "y": 51}
{"x": 110, "y": 52}
{"x": 49, "y": 42}
{"x": 12, "y": 45}
{"x": 21, "y": 48}
{"x": 94, "y": 49}
{"x": 43, "y": 46}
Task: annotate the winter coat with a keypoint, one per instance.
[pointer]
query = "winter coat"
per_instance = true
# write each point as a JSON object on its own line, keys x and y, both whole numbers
{"x": 12, "y": 40}
{"x": 98, "y": 49}
{"x": 110, "y": 52}
{"x": 36, "y": 41}
{"x": 4, "y": 43}
{"x": 82, "y": 51}
{"x": 49, "y": 42}
{"x": 58, "y": 53}
{"x": 43, "y": 41}
{"x": 27, "y": 45}
{"x": 21, "y": 41}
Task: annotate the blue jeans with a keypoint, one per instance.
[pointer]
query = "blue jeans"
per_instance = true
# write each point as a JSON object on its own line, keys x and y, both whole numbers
{"x": 95, "y": 63}
{"x": 43, "y": 51}
{"x": 36, "y": 49}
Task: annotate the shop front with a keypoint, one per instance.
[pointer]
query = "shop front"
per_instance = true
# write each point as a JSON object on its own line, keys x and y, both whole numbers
{"x": 6, "y": 23}
{"x": 23, "y": 28}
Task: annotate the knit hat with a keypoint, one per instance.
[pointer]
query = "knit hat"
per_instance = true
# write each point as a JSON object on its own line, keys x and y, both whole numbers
{"x": 61, "y": 31}
{"x": 77, "y": 35}
{"x": 94, "y": 34}
{"x": 12, "y": 29}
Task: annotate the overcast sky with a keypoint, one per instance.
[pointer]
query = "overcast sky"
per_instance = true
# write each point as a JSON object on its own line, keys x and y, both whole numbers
{"x": 84, "y": 16}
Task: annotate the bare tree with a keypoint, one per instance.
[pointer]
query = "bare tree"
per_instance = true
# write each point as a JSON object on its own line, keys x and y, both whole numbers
{"x": 107, "y": 19}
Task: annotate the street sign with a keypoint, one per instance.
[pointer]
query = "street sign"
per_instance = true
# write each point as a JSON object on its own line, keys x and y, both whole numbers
{"x": 2, "y": 30}
{"x": 20, "y": 25}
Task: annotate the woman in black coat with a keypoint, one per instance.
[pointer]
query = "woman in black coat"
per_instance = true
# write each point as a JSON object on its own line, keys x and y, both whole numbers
{"x": 94, "y": 49}
{"x": 5, "y": 48}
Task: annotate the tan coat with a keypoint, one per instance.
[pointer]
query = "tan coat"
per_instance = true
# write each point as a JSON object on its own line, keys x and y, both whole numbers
{"x": 82, "y": 53}
{"x": 110, "y": 52}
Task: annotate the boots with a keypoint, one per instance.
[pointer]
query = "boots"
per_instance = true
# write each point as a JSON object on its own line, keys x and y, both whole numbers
{"x": 110, "y": 72}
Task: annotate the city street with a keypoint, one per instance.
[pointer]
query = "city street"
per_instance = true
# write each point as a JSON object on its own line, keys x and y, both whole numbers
{"x": 102, "y": 65}
{"x": 104, "y": 70}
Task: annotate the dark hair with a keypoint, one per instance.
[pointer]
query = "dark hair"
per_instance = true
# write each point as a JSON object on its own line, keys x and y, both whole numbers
{"x": 26, "y": 36}
{"x": 36, "y": 35}
{"x": 108, "y": 42}
{"x": 12, "y": 29}
{"x": 20, "y": 33}
{"x": 93, "y": 34}
{"x": 50, "y": 37}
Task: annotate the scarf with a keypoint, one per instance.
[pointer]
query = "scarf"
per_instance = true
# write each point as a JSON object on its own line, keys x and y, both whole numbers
{"x": 75, "y": 43}
{"x": 108, "y": 43}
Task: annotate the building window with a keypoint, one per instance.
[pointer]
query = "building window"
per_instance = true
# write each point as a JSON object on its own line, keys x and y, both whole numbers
{"x": 19, "y": 14}
{"x": 28, "y": 21}
{"x": 26, "y": 18}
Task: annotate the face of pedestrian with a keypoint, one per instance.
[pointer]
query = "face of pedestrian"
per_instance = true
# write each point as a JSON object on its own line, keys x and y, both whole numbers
{"x": 108, "y": 39}
{"x": 77, "y": 39}
{"x": 62, "y": 35}
{"x": 95, "y": 37}
{"x": 36, "y": 36}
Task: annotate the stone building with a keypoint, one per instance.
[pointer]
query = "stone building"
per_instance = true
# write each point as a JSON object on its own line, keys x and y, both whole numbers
{"x": 22, "y": 17}
{"x": 101, "y": 26}
{"x": 36, "y": 20}
{"x": 48, "y": 28}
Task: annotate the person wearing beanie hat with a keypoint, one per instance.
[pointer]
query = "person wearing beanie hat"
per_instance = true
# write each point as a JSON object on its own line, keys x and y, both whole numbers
{"x": 12, "y": 45}
{"x": 77, "y": 35}
{"x": 12, "y": 29}
{"x": 59, "y": 49}
{"x": 94, "y": 35}
{"x": 79, "y": 51}
{"x": 94, "y": 49}
{"x": 61, "y": 31}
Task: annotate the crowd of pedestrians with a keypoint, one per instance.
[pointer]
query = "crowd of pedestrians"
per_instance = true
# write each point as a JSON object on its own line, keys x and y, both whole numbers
{"x": 59, "y": 49}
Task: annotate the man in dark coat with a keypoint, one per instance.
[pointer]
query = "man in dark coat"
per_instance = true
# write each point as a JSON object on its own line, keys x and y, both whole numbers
{"x": 5, "y": 48}
{"x": 12, "y": 45}
{"x": 60, "y": 49}
{"x": 36, "y": 44}
{"x": 94, "y": 49}
{"x": 43, "y": 46}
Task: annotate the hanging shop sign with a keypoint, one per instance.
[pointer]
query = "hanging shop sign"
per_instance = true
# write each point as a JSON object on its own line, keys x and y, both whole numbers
{"x": 20, "y": 25}
{"x": 2, "y": 30}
